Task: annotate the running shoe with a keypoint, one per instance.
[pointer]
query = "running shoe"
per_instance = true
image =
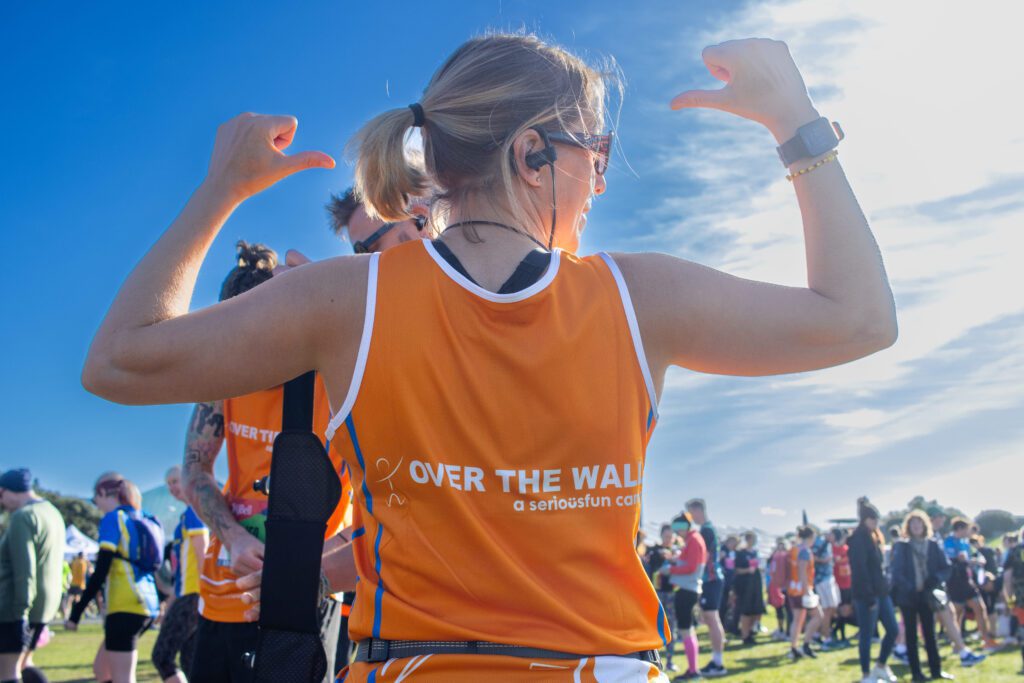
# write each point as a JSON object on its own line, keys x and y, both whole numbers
{"x": 943, "y": 676}
{"x": 795, "y": 654}
{"x": 809, "y": 651}
{"x": 713, "y": 670}
{"x": 688, "y": 676}
{"x": 992, "y": 645}
{"x": 750, "y": 640}
{"x": 778, "y": 636}
{"x": 901, "y": 657}
{"x": 670, "y": 667}
{"x": 882, "y": 672}
{"x": 968, "y": 658}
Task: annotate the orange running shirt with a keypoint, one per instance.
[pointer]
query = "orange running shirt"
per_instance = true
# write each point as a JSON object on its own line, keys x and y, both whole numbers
{"x": 497, "y": 445}
{"x": 797, "y": 553}
{"x": 250, "y": 425}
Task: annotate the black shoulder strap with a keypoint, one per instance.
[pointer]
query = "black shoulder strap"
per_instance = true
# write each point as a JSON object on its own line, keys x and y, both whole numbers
{"x": 298, "y": 403}
{"x": 453, "y": 260}
{"x": 528, "y": 272}
{"x": 304, "y": 490}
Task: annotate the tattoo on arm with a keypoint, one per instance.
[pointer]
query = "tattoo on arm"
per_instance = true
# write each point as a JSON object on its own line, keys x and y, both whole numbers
{"x": 202, "y": 444}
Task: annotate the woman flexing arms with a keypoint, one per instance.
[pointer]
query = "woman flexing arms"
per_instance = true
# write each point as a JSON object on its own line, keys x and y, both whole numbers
{"x": 493, "y": 393}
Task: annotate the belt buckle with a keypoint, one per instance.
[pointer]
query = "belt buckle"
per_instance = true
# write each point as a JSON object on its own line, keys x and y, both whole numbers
{"x": 378, "y": 650}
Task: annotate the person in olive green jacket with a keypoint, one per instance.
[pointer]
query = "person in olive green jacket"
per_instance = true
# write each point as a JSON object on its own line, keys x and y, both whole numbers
{"x": 31, "y": 563}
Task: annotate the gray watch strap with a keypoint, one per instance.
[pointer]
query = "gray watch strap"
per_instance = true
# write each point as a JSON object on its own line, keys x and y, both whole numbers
{"x": 811, "y": 139}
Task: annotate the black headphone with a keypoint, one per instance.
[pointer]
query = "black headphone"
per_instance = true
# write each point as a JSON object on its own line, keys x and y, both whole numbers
{"x": 541, "y": 158}
{"x": 538, "y": 160}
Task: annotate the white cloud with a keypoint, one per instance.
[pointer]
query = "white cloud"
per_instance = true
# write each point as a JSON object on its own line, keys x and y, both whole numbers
{"x": 768, "y": 511}
{"x": 935, "y": 154}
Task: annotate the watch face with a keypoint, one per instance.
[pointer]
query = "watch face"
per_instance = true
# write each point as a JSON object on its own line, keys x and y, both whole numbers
{"x": 819, "y": 137}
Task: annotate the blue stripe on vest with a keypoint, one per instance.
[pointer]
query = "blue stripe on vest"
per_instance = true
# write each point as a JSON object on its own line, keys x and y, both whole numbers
{"x": 359, "y": 456}
{"x": 661, "y": 623}
{"x": 378, "y": 598}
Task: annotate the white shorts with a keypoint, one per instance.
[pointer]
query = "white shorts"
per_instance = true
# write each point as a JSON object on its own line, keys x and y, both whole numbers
{"x": 828, "y": 591}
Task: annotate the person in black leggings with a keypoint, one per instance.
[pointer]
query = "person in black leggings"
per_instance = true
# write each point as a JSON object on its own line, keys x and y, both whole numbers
{"x": 685, "y": 570}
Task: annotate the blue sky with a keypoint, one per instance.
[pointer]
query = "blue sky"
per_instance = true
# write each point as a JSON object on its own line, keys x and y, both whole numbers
{"x": 109, "y": 118}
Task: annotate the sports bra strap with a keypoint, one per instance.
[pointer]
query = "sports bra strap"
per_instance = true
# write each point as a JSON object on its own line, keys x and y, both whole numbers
{"x": 374, "y": 650}
{"x": 528, "y": 272}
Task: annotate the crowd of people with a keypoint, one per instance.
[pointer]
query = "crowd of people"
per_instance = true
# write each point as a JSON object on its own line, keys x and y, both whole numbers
{"x": 929, "y": 568}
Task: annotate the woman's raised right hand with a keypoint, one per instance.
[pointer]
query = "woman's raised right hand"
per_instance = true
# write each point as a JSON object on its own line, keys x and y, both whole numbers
{"x": 763, "y": 84}
{"x": 248, "y": 154}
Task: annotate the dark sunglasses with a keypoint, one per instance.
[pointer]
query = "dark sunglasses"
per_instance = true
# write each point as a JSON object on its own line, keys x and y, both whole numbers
{"x": 366, "y": 246}
{"x": 601, "y": 145}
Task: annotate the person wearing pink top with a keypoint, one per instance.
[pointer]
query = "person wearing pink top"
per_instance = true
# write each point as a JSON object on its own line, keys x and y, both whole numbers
{"x": 778, "y": 578}
{"x": 685, "y": 571}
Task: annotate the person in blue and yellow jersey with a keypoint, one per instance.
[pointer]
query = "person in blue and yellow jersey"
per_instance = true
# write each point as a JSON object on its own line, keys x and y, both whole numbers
{"x": 493, "y": 392}
{"x": 129, "y": 592}
{"x": 178, "y": 627}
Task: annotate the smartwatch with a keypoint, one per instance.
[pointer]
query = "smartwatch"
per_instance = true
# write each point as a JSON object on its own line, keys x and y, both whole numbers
{"x": 811, "y": 139}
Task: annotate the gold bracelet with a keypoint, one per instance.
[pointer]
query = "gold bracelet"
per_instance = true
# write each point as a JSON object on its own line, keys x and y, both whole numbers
{"x": 831, "y": 156}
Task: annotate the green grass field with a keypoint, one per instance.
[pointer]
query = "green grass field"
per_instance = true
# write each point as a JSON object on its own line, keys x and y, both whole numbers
{"x": 69, "y": 658}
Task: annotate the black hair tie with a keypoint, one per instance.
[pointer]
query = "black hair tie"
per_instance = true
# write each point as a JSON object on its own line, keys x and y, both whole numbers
{"x": 418, "y": 116}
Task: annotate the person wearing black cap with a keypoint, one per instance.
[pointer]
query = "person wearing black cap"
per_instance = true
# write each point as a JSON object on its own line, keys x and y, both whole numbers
{"x": 871, "y": 601}
{"x": 31, "y": 576}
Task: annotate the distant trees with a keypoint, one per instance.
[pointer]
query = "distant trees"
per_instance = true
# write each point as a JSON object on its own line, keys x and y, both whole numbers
{"x": 896, "y": 517}
{"x": 75, "y": 511}
{"x": 994, "y": 523}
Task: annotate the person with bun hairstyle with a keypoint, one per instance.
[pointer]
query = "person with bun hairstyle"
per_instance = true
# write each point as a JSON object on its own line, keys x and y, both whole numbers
{"x": 870, "y": 587}
{"x": 236, "y": 514}
{"x": 130, "y": 591}
{"x": 803, "y": 602}
{"x": 494, "y": 392}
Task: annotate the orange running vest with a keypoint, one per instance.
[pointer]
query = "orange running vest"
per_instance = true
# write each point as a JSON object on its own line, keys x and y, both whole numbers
{"x": 251, "y": 423}
{"x": 497, "y": 445}
{"x": 796, "y": 587}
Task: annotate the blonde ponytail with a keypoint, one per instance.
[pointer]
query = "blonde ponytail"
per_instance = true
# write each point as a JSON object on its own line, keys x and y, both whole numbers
{"x": 386, "y": 176}
{"x": 491, "y": 89}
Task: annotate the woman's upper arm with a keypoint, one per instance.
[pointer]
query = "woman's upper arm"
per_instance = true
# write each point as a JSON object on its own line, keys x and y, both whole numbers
{"x": 286, "y": 326}
{"x": 709, "y": 321}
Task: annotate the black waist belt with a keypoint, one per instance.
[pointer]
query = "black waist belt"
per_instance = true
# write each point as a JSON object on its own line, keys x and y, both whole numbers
{"x": 373, "y": 650}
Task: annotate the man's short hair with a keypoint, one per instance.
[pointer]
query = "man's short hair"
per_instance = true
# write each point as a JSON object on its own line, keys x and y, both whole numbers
{"x": 805, "y": 532}
{"x": 697, "y": 503}
{"x": 340, "y": 209}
